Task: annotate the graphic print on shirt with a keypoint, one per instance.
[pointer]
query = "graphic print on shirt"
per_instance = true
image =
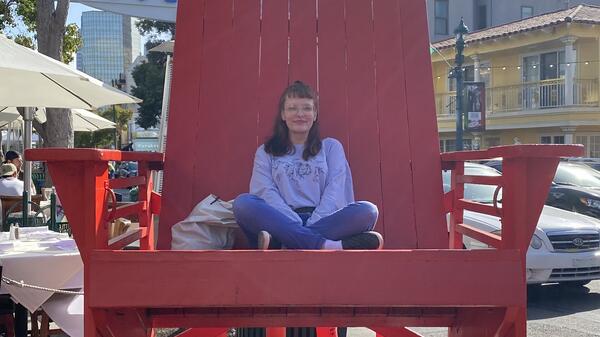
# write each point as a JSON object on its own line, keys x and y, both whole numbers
{"x": 298, "y": 171}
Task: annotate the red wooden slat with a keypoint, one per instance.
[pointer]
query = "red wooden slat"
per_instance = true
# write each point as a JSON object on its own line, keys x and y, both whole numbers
{"x": 183, "y": 117}
{"x": 333, "y": 109}
{"x": 273, "y": 64}
{"x": 303, "y": 42}
{"x": 456, "y": 216}
{"x": 448, "y": 201}
{"x": 481, "y": 180}
{"x": 127, "y": 322}
{"x": 242, "y": 101}
{"x": 146, "y": 220}
{"x": 223, "y": 278}
{"x": 125, "y": 210}
{"x": 212, "y": 152}
{"x": 428, "y": 317}
{"x": 422, "y": 121}
{"x": 396, "y": 176}
{"x": 362, "y": 102}
{"x": 155, "y": 203}
{"x": 126, "y": 238}
{"x": 64, "y": 154}
{"x": 126, "y": 182}
{"x": 512, "y": 151}
{"x": 479, "y": 235}
{"x": 478, "y": 207}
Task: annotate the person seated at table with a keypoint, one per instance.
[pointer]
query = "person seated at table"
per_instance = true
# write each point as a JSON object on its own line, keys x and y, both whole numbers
{"x": 10, "y": 185}
{"x": 14, "y": 157}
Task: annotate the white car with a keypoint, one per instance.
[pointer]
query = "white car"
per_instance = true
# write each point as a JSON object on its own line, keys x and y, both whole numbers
{"x": 565, "y": 247}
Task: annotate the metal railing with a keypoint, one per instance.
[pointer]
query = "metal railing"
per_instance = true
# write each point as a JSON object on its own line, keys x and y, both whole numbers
{"x": 528, "y": 96}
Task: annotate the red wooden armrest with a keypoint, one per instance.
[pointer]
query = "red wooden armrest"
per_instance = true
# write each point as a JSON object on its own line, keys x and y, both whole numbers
{"x": 64, "y": 154}
{"x": 517, "y": 151}
{"x": 526, "y": 175}
{"x": 86, "y": 192}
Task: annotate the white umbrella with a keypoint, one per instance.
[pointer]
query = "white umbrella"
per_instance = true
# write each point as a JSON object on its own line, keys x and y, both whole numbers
{"x": 8, "y": 115}
{"x": 33, "y": 79}
{"x": 83, "y": 120}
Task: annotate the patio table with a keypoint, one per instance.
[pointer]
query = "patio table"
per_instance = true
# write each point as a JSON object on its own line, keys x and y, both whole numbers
{"x": 47, "y": 259}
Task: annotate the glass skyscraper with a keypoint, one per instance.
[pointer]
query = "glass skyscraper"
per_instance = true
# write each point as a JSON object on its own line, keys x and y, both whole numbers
{"x": 111, "y": 42}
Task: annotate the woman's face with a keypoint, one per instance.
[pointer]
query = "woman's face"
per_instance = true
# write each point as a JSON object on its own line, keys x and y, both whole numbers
{"x": 299, "y": 115}
{"x": 18, "y": 162}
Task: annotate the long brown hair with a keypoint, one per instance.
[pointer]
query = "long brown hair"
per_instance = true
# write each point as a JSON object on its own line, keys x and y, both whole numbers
{"x": 279, "y": 144}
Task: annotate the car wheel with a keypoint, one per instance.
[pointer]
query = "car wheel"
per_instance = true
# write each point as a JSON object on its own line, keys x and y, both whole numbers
{"x": 574, "y": 284}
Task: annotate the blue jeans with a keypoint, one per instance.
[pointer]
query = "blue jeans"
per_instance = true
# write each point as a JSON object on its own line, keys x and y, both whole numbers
{"x": 253, "y": 215}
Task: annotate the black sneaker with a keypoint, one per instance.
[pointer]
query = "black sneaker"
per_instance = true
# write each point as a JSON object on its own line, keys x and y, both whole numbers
{"x": 365, "y": 240}
{"x": 264, "y": 238}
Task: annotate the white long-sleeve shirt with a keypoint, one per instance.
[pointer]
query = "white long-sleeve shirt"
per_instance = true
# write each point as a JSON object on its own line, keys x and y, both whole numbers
{"x": 289, "y": 182}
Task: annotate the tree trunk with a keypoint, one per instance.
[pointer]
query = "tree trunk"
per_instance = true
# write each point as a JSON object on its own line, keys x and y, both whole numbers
{"x": 51, "y": 22}
{"x": 59, "y": 128}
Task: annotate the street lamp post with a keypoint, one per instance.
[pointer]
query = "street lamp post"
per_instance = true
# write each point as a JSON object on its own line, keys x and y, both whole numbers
{"x": 457, "y": 73}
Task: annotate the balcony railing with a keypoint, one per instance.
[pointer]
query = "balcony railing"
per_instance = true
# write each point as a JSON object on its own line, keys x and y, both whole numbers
{"x": 528, "y": 96}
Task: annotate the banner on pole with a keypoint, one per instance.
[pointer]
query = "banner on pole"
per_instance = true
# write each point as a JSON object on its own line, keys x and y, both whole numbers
{"x": 474, "y": 106}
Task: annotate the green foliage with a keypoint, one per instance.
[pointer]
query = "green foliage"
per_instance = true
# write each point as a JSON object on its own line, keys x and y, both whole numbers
{"x": 7, "y": 19}
{"x": 153, "y": 28}
{"x": 71, "y": 42}
{"x": 25, "y": 41}
{"x": 149, "y": 78}
{"x": 27, "y": 11}
{"x": 123, "y": 116}
{"x": 104, "y": 139}
{"x": 14, "y": 12}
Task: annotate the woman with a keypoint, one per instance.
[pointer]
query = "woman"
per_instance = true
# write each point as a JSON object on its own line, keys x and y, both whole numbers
{"x": 301, "y": 188}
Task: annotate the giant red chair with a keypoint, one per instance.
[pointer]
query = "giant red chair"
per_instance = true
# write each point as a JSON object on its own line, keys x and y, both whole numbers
{"x": 369, "y": 61}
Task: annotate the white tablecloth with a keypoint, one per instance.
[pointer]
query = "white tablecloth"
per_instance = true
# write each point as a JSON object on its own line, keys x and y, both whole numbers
{"x": 44, "y": 258}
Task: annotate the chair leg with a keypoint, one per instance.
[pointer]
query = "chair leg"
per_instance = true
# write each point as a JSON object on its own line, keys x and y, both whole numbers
{"x": 45, "y": 329}
{"x": 35, "y": 328}
{"x": 21, "y": 314}
{"x": 9, "y": 323}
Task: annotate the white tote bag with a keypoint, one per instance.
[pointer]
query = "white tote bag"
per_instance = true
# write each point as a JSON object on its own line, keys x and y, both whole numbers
{"x": 210, "y": 225}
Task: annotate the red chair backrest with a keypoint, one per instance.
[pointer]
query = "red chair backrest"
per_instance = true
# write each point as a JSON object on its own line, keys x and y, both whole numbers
{"x": 369, "y": 62}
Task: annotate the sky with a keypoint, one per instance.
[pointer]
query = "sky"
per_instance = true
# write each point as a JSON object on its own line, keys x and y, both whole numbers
{"x": 75, "y": 11}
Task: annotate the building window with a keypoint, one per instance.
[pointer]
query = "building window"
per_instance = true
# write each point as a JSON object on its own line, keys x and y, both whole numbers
{"x": 491, "y": 142}
{"x": 441, "y": 17}
{"x": 526, "y": 12}
{"x": 481, "y": 17}
{"x": 552, "y": 139}
{"x": 448, "y": 145}
{"x": 591, "y": 144}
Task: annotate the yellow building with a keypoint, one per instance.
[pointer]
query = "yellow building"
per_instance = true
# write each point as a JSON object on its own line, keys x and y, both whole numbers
{"x": 541, "y": 78}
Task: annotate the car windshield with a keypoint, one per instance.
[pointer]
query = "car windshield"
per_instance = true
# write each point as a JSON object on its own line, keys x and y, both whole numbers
{"x": 480, "y": 193}
{"x": 577, "y": 175}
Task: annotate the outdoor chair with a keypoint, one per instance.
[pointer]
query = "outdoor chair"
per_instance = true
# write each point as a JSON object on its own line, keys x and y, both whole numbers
{"x": 12, "y": 205}
{"x": 369, "y": 61}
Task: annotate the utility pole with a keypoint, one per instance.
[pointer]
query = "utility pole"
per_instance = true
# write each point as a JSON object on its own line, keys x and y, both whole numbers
{"x": 457, "y": 73}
